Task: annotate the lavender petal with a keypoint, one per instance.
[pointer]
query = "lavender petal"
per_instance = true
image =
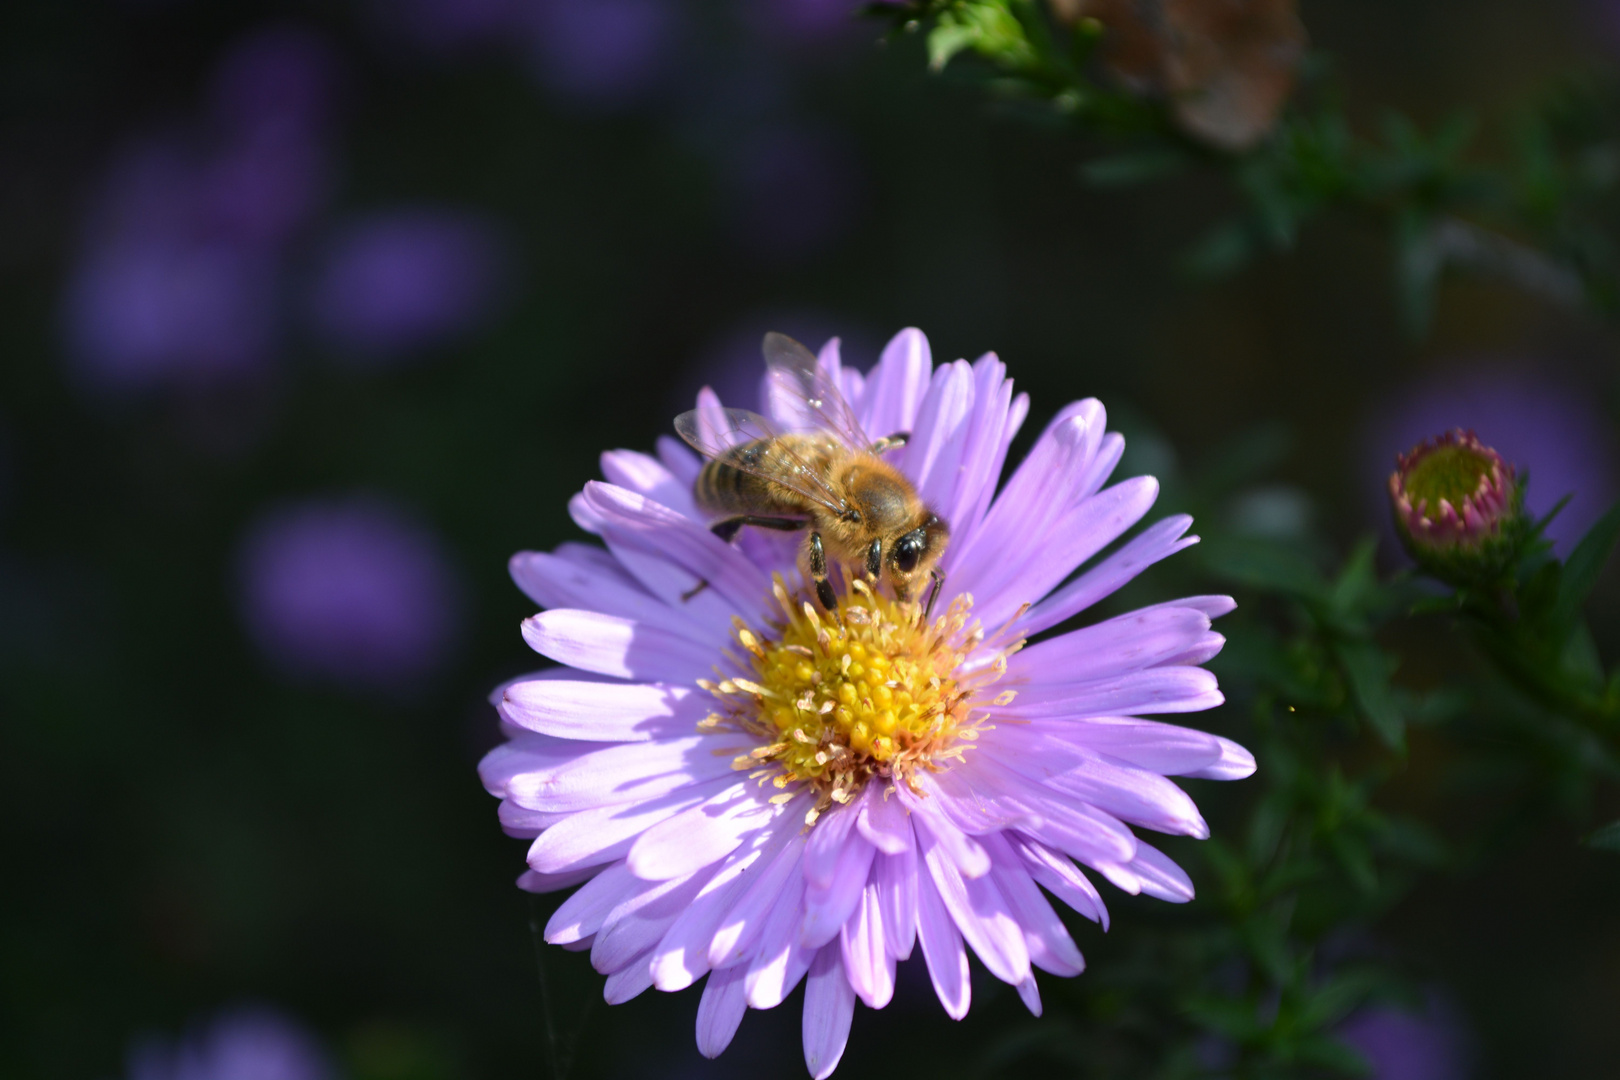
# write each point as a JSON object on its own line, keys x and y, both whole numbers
{"x": 720, "y": 1011}
{"x": 829, "y": 1006}
{"x": 617, "y": 646}
{"x": 943, "y": 950}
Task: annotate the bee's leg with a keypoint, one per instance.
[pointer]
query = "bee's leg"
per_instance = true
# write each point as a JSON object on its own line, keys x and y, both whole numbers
{"x": 727, "y": 528}
{"x": 933, "y": 593}
{"x": 889, "y": 442}
{"x": 874, "y": 559}
{"x": 818, "y": 574}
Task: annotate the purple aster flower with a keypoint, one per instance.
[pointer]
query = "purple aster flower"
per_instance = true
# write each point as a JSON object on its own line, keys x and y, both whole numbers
{"x": 1402, "y": 1045}
{"x": 757, "y": 791}
{"x": 404, "y": 281}
{"x": 352, "y": 590}
{"x": 1546, "y": 429}
{"x": 251, "y": 1043}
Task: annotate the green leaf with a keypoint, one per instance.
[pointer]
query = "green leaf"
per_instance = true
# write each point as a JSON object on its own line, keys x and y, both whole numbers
{"x": 1585, "y": 563}
{"x": 1264, "y": 565}
{"x": 1368, "y": 668}
{"x": 946, "y": 40}
{"x": 1606, "y": 838}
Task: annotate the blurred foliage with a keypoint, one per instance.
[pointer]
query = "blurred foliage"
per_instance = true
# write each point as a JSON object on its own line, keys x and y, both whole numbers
{"x": 1538, "y": 213}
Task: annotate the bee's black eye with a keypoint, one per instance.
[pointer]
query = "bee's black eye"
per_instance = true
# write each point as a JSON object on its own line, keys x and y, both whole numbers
{"x": 907, "y": 550}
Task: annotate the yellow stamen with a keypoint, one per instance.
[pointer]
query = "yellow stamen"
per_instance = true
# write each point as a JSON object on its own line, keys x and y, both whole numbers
{"x": 869, "y": 690}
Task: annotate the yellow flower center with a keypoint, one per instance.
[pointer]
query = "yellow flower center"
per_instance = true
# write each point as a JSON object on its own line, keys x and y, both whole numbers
{"x": 874, "y": 692}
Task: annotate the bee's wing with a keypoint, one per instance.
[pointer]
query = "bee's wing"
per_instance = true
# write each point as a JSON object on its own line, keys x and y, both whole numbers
{"x": 714, "y": 432}
{"x": 802, "y": 387}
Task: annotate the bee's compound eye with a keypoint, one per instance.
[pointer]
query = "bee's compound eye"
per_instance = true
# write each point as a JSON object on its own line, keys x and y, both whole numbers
{"x": 907, "y": 550}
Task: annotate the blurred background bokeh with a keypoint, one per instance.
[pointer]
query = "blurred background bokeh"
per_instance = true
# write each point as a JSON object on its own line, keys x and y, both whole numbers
{"x": 313, "y": 314}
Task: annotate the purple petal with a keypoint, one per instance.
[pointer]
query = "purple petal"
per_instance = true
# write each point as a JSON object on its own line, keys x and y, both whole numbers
{"x": 980, "y": 912}
{"x": 827, "y": 842}
{"x": 702, "y": 835}
{"x": 564, "y": 579}
{"x": 626, "y": 983}
{"x": 883, "y": 820}
{"x": 532, "y": 881}
{"x": 670, "y": 554}
{"x": 683, "y": 955}
{"x": 743, "y": 924}
{"x": 632, "y": 929}
{"x": 617, "y": 646}
{"x": 582, "y": 914}
{"x": 895, "y": 877}
{"x": 524, "y": 824}
{"x": 1161, "y": 877}
{"x": 826, "y": 907}
{"x": 977, "y": 801}
{"x": 682, "y": 464}
{"x": 1030, "y": 995}
{"x": 1128, "y": 642}
{"x": 942, "y": 949}
{"x": 1072, "y": 538}
{"x": 934, "y": 456}
{"x": 782, "y": 961}
{"x": 1128, "y": 793}
{"x": 829, "y": 1006}
{"x": 1146, "y": 744}
{"x": 625, "y": 772}
{"x": 720, "y": 1011}
{"x": 1060, "y": 877}
{"x": 604, "y": 712}
{"x": 867, "y": 960}
{"x": 1158, "y": 541}
{"x": 997, "y": 415}
{"x": 592, "y": 837}
{"x": 1235, "y": 763}
{"x": 896, "y": 387}
{"x": 1048, "y": 941}
{"x": 963, "y": 851}
{"x": 1156, "y": 690}
{"x": 646, "y": 475}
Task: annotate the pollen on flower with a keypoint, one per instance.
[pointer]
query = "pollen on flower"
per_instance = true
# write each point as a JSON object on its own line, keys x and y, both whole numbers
{"x": 876, "y": 692}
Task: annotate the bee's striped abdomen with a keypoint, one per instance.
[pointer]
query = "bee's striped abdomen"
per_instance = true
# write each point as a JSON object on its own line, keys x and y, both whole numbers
{"x": 733, "y": 484}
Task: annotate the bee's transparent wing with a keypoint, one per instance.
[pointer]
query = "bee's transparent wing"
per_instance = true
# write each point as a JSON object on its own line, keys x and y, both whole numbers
{"x": 802, "y": 389}
{"x": 714, "y": 432}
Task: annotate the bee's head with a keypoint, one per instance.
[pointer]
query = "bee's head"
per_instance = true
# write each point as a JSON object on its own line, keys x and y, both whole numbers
{"x": 914, "y": 553}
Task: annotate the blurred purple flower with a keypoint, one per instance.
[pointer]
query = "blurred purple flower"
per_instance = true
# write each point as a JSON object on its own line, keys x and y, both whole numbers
{"x": 353, "y": 590}
{"x": 794, "y": 191}
{"x": 144, "y": 309}
{"x": 252, "y": 1043}
{"x": 1539, "y": 424}
{"x": 603, "y": 52}
{"x": 178, "y": 277}
{"x": 403, "y": 281}
{"x": 1402, "y": 1045}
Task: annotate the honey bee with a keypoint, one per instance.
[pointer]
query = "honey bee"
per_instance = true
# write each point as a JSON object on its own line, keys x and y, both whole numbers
{"x": 826, "y": 477}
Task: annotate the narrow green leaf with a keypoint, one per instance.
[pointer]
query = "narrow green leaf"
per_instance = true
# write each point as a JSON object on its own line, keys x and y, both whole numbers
{"x": 1606, "y": 838}
{"x": 1586, "y": 562}
{"x": 1367, "y": 668}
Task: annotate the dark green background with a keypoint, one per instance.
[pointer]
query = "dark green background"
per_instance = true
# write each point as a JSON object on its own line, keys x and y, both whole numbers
{"x": 184, "y": 831}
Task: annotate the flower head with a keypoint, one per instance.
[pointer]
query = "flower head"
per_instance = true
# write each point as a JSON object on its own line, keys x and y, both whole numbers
{"x": 1457, "y": 505}
{"x": 761, "y": 791}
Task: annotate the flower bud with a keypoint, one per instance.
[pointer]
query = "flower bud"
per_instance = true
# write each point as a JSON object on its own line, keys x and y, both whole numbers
{"x": 1458, "y": 507}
